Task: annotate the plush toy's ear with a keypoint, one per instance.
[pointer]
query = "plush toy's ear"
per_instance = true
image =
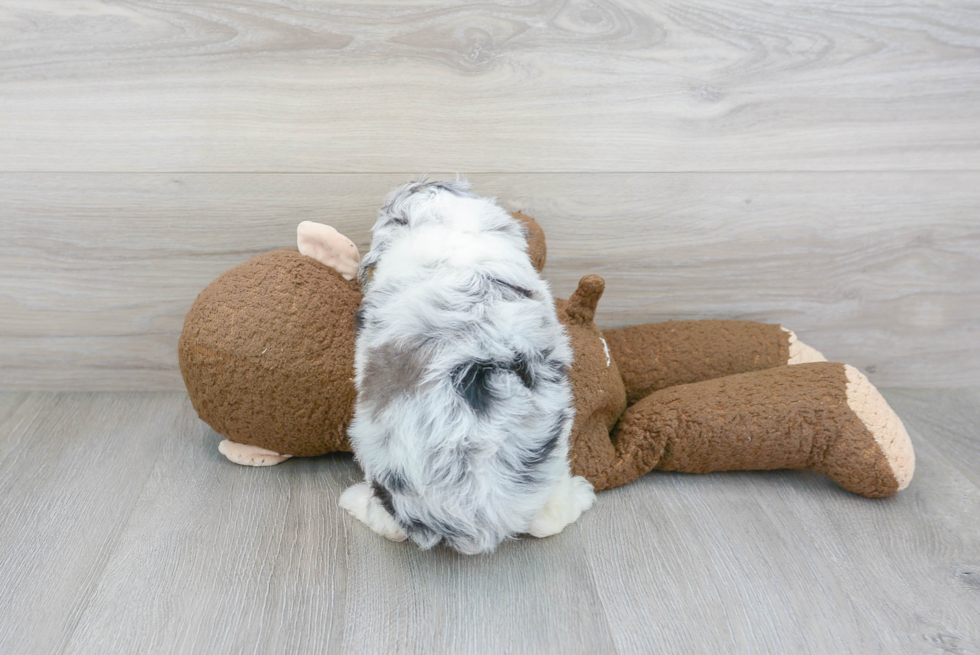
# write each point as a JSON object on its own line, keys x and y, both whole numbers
{"x": 537, "y": 249}
{"x": 329, "y": 247}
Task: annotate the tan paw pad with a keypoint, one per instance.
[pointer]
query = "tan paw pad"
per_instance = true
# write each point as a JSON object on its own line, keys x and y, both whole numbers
{"x": 883, "y": 424}
{"x": 246, "y": 455}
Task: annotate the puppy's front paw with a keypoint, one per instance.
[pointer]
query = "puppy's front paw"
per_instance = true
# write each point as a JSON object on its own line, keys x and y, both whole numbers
{"x": 356, "y": 499}
{"x": 360, "y": 502}
{"x": 570, "y": 498}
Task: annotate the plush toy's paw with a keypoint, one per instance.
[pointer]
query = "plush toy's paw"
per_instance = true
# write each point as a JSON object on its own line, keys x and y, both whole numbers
{"x": 329, "y": 247}
{"x": 890, "y": 437}
{"x": 800, "y": 353}
{"x": 571, "y": 497}
{"x": 241, "y": 453}
{"x": 361, "y": 503}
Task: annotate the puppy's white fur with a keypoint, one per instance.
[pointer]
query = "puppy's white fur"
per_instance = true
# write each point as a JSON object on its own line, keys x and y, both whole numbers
{"x": 464, "y": 406}
{"x": 360, "y": 502}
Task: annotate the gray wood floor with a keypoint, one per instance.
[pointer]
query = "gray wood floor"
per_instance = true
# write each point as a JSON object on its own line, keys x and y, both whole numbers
{"x": 124, "y": 531}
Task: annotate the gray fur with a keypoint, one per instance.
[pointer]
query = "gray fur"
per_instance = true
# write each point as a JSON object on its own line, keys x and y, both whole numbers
{"x": 392, "y": 371}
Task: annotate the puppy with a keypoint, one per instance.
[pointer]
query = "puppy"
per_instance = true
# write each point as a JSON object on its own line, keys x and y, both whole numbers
{"x": 464, "y": 407}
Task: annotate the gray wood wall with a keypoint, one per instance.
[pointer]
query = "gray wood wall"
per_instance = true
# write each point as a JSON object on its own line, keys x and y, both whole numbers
{"x": 815, "y": 164}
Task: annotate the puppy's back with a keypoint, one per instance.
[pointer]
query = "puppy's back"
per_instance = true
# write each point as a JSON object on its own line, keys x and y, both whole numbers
{"x": 464, "y": 406}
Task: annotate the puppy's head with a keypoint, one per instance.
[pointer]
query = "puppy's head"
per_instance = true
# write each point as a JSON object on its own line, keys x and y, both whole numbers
{"x": 408, "y": 207}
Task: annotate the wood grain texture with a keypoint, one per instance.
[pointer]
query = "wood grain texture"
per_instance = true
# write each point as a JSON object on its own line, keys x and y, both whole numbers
{"x": 71, "y": 468}
{"x": 786, "y": 562}
{"x": 952, "y": 421}
{"x": 263, "y": 560}
{"x": 539, "y": 85}
{"x": 229, "y": 562}
{"x": 880, "y": 270}
{"x": 124, "y": 531}
{"x": 146, "y": 146}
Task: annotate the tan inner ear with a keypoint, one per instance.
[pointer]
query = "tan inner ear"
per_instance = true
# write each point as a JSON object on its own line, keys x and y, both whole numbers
{"x": 329, "y": 247}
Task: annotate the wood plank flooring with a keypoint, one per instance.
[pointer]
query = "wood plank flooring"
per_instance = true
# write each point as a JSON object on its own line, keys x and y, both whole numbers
{"x": 123, "y": 530}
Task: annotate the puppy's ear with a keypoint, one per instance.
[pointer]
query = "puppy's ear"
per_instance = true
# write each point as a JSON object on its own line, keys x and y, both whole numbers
{"x": 367, "y": 268}
{"x": 329, "y": 247}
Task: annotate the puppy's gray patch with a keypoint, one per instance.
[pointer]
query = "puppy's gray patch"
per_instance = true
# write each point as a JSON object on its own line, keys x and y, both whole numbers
{"x": 391, "y": 371}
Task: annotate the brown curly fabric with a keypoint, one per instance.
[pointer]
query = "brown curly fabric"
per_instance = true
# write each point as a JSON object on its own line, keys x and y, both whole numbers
{"x": 600, "y": 397}
{"x": 267, "y": 354}
{"x": 660, "y": 355}
{"x": 789, "y": 417}
{"x": 537, "y": 249}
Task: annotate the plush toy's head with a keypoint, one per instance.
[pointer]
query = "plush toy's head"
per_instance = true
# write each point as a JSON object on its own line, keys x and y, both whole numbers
{"x": 267, "y": 349}
{"x": 267, "y": 354}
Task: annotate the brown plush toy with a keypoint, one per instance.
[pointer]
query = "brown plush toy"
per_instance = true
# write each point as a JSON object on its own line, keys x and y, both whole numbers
{"x": 267, "y": 354}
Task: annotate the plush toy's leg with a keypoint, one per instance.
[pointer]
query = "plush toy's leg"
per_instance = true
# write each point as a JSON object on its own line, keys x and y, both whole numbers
{"x": 246, "y": 455}
{"x": 823, "y": 416}
{"x": 361, "y": 503}
{"x": 660, "y": 355}
{"x": 571, "y": 497}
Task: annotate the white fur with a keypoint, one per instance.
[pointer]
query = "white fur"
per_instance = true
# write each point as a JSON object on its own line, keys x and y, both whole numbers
{"x": 464, "y": 406}
{"x": 360, "y": 502}
{"x": 570, "y": 498}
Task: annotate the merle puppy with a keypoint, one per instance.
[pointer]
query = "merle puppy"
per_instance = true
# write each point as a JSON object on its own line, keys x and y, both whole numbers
{"x": 463, "y": 402}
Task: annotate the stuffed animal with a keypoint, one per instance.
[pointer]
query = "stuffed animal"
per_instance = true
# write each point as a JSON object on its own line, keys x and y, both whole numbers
{"x": 267, "y": 354}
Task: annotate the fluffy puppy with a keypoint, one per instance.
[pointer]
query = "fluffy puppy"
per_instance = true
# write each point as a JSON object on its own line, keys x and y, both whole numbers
{"x": 463, "y": 402}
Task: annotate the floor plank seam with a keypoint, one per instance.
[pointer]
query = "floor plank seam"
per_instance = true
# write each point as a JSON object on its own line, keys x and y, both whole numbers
{"x": 98, "y": 578}
{"x": 595, "y": 589}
